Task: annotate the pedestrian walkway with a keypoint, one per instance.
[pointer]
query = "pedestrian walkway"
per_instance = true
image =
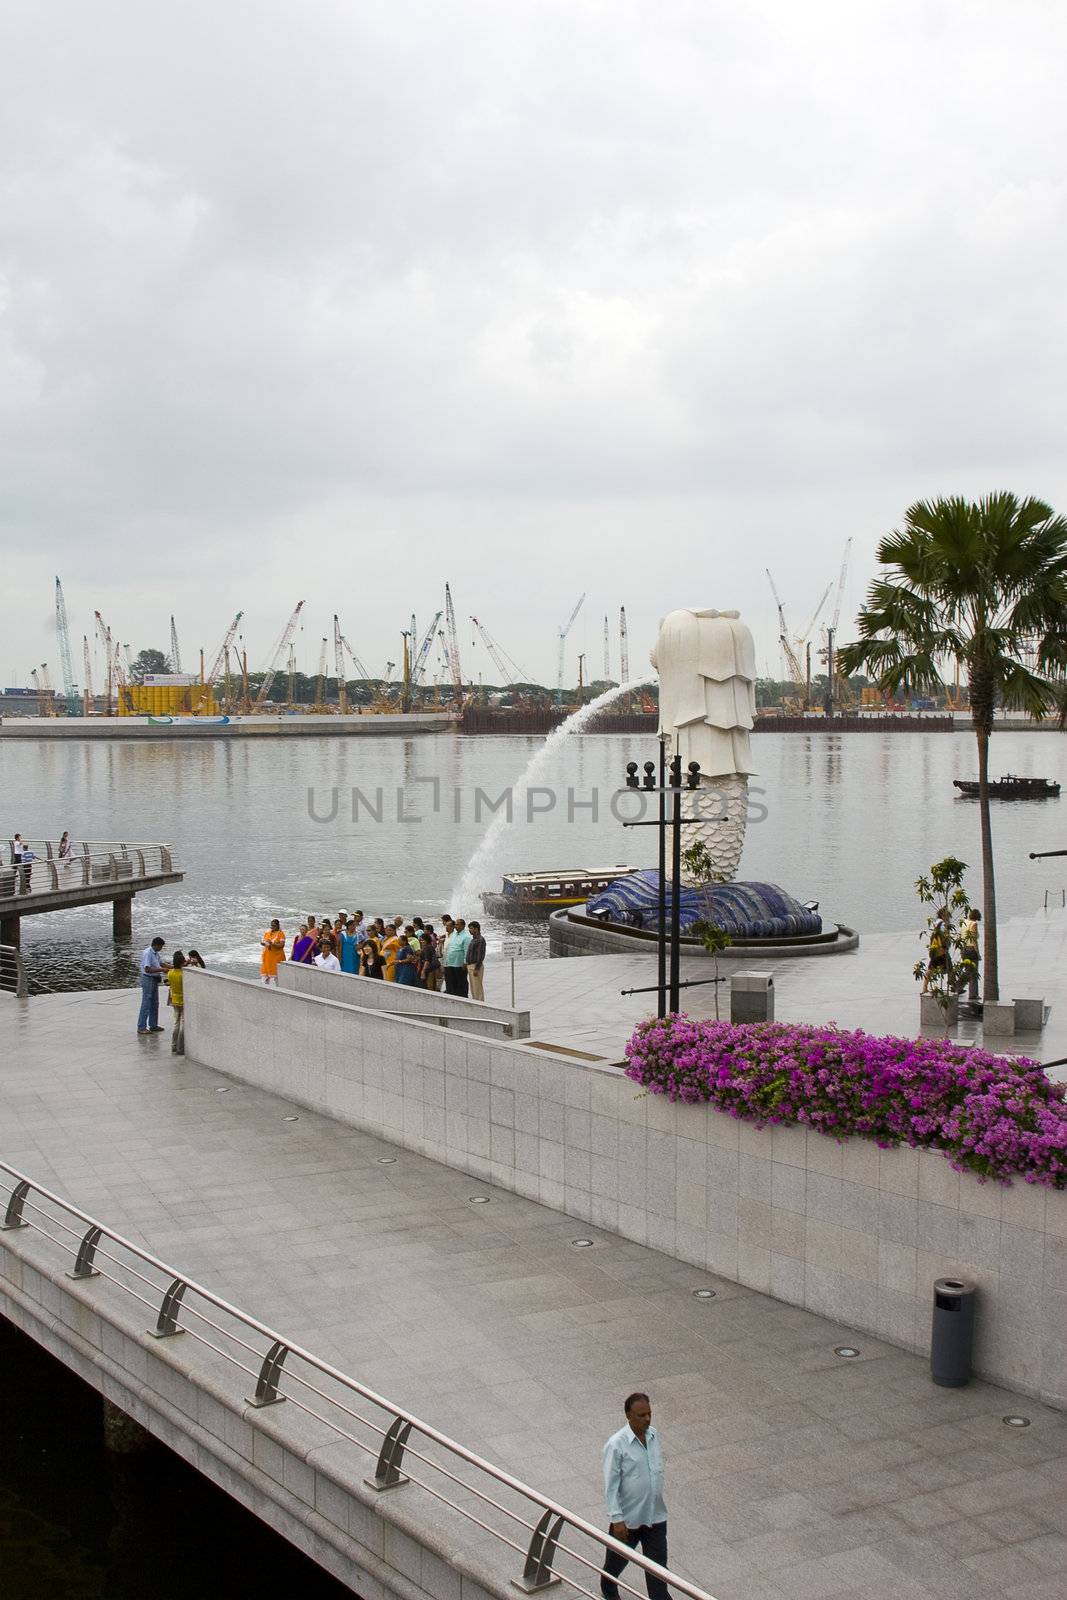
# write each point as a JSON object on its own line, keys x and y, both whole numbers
{"x": 792, "y": 1472}
{"x": 577, "y": 1002}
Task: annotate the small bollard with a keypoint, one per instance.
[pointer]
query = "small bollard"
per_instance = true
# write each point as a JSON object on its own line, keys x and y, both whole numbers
{"x": 953, "y": 1332}
{"x": 752, "y": 997}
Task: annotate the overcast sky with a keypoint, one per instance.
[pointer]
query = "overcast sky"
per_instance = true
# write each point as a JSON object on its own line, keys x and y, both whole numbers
{"x": 337, "y": 301}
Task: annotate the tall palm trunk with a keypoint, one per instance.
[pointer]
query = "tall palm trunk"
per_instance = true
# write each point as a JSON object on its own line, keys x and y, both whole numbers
{"x": 982, "y": 712}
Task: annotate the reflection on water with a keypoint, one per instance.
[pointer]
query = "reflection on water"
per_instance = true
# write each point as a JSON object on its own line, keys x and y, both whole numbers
{"x": 79, "y": 1524}
{"x": 851, "y": 821}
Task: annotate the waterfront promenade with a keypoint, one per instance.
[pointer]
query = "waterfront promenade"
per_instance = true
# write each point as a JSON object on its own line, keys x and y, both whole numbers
{"x": 792, "y": 1473}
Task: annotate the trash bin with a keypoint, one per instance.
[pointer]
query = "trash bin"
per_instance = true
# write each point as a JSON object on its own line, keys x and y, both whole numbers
{"x": 953, "y": 1332}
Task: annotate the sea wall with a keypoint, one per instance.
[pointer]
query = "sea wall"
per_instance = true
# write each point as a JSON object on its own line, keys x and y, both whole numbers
{"x": 849, "y": 1231}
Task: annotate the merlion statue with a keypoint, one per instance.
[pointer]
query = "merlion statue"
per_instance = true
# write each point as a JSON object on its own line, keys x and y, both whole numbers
{"x": 706, "y": 662}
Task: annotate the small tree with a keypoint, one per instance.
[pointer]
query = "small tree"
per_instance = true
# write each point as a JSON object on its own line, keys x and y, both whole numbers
{"x": 698, "y": 863}
{"x": 148, "y": 663}
{"x": 942, "y": 891}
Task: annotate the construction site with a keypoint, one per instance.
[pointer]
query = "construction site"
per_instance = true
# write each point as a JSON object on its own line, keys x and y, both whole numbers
{"x": 432, "y": 683}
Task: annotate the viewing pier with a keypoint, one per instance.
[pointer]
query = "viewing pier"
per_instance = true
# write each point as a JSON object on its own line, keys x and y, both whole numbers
{"x": 92, "y": 873}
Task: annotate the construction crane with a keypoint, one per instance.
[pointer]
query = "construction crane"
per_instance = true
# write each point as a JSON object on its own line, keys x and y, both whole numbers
{"x": 46, "y": 698}
{"x": 509, "y": 669}
{"x": 88, "y": 702}
{"x": 320, "y": 681}
{"x": 70, "y": 688}
{"x": 563, "y": 632}
{"x": 279, "y": 653}
{"x": 793, "y": 666}
{"x": 841, "y": 692}
{"x": 418, "y": 669}
{"x": 607, "y": 653}
{"x": 624, "y": 647}
{"x": 103, "y": 633}
{"x": 175, "y": 653}
{"x": 453, "y": 649}
{"x": 122, "y": 678}
{"x": 220, "y": 663}
{"x": 339, "y": 666}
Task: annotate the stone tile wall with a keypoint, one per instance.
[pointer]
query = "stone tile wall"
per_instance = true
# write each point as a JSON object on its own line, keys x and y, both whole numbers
{"x": 446, "y": 1010}
{"x": 846, "y": 1230}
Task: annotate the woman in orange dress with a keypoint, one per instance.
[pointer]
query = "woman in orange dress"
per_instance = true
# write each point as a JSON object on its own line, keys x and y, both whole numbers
{"x": 273, "y": 942}
{"x": 390, "y": 946}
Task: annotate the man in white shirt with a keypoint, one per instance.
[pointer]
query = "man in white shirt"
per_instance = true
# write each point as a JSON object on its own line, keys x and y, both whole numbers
{"x": 633, "y": 1487}
{"x": 152, "y": 969}
{"x": 327, "y": 961}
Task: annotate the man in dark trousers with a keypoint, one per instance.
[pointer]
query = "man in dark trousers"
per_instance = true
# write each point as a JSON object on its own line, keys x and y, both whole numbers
{"x": 633, "y": 1487}
{"x": 476, "y": 963}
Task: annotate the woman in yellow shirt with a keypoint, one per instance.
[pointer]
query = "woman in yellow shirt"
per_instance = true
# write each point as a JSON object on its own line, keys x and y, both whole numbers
{"x": 390, "y": 947}
{"x": 273, "y": 942}
{"x": 177, "y": 999}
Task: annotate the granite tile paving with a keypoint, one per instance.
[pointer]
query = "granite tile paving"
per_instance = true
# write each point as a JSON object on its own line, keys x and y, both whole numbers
{"x": 792, "y": 1473}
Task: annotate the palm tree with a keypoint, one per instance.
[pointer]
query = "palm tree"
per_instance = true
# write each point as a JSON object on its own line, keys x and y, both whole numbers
{"x": 976, "y": 585}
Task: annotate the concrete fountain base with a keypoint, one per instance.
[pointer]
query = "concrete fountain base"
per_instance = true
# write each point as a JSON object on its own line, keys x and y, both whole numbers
{"x": 572, "y": 932}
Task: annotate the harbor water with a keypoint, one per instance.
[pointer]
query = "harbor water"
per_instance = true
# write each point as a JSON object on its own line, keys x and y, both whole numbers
{"x": 280, "y": 828}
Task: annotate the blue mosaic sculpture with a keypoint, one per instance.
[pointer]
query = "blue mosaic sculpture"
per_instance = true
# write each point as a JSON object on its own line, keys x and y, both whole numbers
{"x": 744, "y": 910}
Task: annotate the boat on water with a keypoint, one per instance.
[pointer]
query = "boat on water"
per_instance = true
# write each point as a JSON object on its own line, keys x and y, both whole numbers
{"x": 535, "y": 894}
{"x": 1010, "y": 787}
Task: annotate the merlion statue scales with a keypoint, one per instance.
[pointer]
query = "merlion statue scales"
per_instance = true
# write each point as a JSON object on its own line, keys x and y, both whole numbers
{"x": 706, "y": 662}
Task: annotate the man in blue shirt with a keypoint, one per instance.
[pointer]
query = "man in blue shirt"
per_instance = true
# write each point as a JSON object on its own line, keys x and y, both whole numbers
{"x": 633, "y": 1487}
{"x": 454, "y": 960}
{"x": 152, "y": 970}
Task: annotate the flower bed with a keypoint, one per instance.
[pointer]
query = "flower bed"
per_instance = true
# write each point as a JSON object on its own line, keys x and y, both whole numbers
{"x": 994, "y": 1116}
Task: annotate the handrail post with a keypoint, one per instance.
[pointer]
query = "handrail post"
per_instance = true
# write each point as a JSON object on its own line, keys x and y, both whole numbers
{"x": 267, "y": 1383}
{"x": 83, "y": 1265}
{"x": 387, "y": 1474}
{"x": 167, "y": 1322}
{"x": 13, "y": 1214}
{"x": 537, "y": 1573}
{"x": 164, "y": 857}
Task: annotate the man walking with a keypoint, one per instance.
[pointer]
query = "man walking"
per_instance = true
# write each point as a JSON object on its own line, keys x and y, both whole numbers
{"x": 476, "y": 963}
{"x": 633, "y": 1486}
{"x": 454, "y": 961}
{"x": 152, "y": 969}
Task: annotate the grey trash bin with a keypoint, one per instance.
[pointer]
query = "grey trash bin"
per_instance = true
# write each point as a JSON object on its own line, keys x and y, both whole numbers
{"x": 953, "y": 1332}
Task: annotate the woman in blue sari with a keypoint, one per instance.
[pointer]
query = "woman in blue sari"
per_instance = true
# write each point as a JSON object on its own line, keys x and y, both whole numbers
{"x": 407, "y": 965}
{"x": 349, "y": 951}
{"x": 303, "y": 946}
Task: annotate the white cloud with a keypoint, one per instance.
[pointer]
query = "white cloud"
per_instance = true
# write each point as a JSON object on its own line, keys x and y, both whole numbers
{"x": 338, "y": 301}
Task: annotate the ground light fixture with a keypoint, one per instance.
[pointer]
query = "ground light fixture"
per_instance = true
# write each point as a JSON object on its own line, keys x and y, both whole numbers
{"x": 1016, "y": 1422}
{"x": 704, "y": 1294}
{"x": 387, "y": 1161}
{"x": 582, "y": 1244}
{"x": 479, "y": 1199}
{"x": 848, "y": 1352}
{"x": 292, "y": 1119}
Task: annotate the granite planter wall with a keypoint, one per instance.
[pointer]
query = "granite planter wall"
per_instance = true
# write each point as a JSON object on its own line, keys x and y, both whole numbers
{"x": 846, "y": 1230}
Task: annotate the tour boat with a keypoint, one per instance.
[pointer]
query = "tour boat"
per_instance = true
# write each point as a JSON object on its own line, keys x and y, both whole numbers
{"x": 1011, "y": 787}
{"x": 534, "y": 894}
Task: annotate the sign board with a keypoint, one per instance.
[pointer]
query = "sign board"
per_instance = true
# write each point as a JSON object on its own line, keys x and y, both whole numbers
{"x": 173, "y": 680}
{"x": 512, "y": 948}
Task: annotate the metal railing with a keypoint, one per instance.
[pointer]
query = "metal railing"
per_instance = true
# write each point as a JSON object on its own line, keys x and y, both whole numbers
{"x": 85, "y": 868}
{"x": 13, "y": 971}
{"x": 401, "y": 1448}
{"x": 1054, "y": 892}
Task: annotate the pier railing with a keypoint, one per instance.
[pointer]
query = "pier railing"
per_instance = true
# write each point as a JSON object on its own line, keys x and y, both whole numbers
{"x": 13, "y": 978}
{"x": 553, "y": 1545}
{"x": 89, "y": 866}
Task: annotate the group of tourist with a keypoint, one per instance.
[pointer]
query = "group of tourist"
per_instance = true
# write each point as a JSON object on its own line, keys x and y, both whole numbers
{"x": 412, "y": 952}
{"x": 23, "y": 855}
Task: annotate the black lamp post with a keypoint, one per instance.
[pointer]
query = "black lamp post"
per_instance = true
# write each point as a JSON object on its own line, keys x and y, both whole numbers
{"x": 669, "y": 783}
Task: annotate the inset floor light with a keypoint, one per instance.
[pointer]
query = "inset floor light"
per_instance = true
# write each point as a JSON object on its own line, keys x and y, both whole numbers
{"x": 582, "y": 1244}
{"x": 292, "y": 1119}
{"x": 387, "y": 1161}
{"x": 1016, "y": 1422}
{"x": 704, "y": 1294}
{"x": 848, "y": 1351}
{"x": 222, "y": 1091}
{"x": 479, "y": 1199}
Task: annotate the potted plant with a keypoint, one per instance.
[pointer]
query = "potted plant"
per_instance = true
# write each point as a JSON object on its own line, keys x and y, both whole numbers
{"x": 700, "y": 867}
{"x": 943, "y": 972}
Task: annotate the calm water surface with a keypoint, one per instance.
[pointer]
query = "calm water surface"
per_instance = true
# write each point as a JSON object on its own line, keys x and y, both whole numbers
{"x": 851, "y": 820}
